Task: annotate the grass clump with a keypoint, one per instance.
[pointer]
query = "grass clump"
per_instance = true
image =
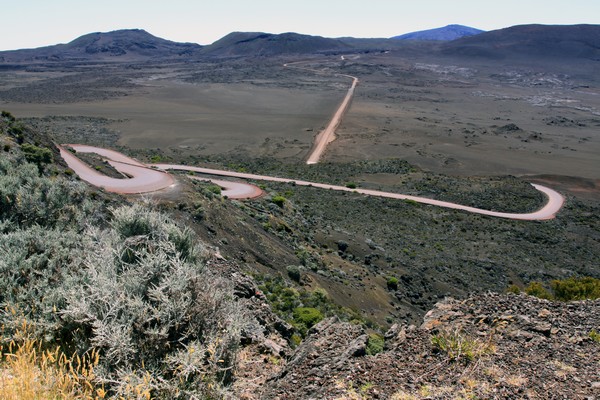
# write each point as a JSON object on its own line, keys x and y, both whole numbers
{"x": 457, "y": 346}
{"x": 30, "y": 371}
{"x": 594, "y": 335}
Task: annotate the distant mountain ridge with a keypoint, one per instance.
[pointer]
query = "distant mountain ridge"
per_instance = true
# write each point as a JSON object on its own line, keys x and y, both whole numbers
{"x": 446, "y": 33}
{"x": 136, "y": 45}
{"x": 550, "y": 41}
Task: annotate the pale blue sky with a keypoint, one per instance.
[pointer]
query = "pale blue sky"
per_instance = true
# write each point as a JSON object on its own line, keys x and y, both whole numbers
{"x": 34, "y": 23}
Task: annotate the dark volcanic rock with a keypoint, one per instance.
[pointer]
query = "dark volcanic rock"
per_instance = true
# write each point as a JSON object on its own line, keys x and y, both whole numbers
{"x": 522, "y": 347}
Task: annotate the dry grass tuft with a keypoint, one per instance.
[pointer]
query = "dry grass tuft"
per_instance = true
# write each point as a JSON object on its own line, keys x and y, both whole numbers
{"x": 27, "y": 371}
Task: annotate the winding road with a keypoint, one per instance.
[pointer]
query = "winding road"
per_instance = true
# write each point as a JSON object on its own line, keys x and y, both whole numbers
{"x": 145, "y": 178}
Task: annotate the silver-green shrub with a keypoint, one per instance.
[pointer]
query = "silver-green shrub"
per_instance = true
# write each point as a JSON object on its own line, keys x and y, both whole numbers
{"x": 158, "y": 309}
{"x": 130, "y": 283}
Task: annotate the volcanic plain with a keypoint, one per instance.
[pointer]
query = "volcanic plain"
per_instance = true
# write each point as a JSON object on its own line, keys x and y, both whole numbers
{"x": 472, "y": 130}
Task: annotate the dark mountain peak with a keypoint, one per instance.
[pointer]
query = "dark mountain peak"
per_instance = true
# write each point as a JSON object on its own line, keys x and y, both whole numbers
{"x": 551, "y": 41}
{"x": 446, "y": 33}
{"x": 128, "y": 41}
{"x": 270, "y": 44}
{"x": 126, "y": 44}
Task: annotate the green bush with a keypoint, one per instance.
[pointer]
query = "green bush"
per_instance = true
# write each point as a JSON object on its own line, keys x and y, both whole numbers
{"x": 513, "y": 289}
{"x": 392, "y": 283}
{"x": 37, "y": 155}
{"x": 7, "y": 116}
{"x": 375, "y": 344}
{"x": 570, "y": 289}
{"x": 594, "y": 335}
{"x": 536, "y": 289}
{"x": 279, "y": 200}
{"x": 307, "y": 316}
{"x": 293, "y": 272}
{"x": 576, "y": 289}
{"x": 215, "y": 189}
{"x": 342, "y": 245}
{"x": 351, "y": 185}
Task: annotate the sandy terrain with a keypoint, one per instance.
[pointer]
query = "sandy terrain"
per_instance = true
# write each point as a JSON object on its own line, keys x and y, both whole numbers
{"x": 209, "y": 118}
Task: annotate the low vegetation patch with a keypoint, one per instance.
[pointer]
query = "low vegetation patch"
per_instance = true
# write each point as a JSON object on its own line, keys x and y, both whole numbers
{"x": 303, "y": 308}
{"x": 29, "y": 370}
{"x": 458, "y": 346}
{"x": 594, "y": 335}
{"x": 570, "y": 289}
{"x": 375, "y": 344}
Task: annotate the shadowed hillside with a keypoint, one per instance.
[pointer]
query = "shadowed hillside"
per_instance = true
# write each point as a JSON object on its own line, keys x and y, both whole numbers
{"x": 121, "y": 45}
{"x": 551, "y": 41}
{"x": 267, "y": 44}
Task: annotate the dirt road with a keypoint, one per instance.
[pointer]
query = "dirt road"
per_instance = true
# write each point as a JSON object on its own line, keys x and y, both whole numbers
{"x": 146, "y": 178}
{"x": 327, "y": 135}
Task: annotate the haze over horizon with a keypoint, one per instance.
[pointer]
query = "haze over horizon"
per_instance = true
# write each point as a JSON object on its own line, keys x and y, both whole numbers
{"x": 36, "y": 23}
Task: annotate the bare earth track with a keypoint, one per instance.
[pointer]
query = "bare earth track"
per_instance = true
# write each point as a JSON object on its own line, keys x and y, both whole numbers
{"x": 327, "y": 135}
{"x": 145, "y": 178}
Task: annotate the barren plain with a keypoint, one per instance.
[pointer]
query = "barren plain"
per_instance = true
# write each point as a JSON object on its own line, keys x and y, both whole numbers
{"x": 458, "y": 119}
{"x": 468, "y": 131}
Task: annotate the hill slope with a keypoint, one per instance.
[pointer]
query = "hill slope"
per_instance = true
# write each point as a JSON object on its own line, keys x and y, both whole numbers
{"x": 126, "y": 44}
{"x": 552, "y": 41}
{"x": 446, "y": 33}
{"x": 268, "y": 44}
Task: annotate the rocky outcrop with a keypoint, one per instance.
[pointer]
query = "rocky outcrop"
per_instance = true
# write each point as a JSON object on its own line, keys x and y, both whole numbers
{"x": 488, "y": 346}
